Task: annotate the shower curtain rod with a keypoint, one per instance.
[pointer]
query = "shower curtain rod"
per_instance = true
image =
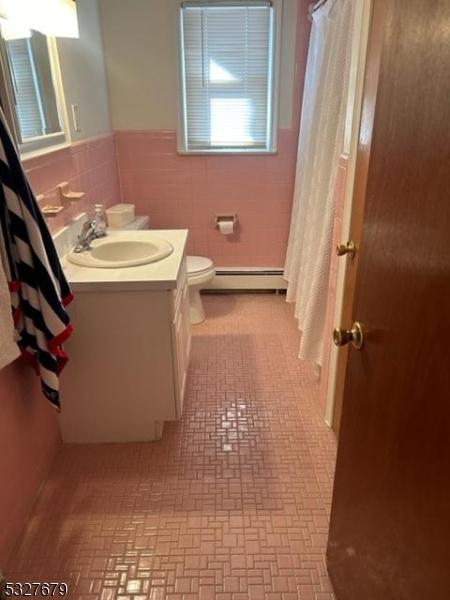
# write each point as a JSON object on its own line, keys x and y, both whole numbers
{"x": 315, "y": 6}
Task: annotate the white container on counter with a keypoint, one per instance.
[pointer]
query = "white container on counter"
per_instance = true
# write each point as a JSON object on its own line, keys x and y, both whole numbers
{"x": 120, "y": 215}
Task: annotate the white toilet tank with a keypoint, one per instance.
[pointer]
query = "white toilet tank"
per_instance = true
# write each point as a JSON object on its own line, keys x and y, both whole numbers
{"x": 142, "y": 222}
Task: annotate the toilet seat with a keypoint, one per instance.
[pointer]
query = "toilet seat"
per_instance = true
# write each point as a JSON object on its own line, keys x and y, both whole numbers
{"x": 200, "y": 270}
{"x": 198, "y": 264}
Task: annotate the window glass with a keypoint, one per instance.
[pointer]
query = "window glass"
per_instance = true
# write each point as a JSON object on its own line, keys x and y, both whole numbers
{"x": 227, "y": 68}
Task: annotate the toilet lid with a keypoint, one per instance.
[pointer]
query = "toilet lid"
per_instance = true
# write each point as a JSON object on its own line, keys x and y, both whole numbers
{"x": 198, "y": 264}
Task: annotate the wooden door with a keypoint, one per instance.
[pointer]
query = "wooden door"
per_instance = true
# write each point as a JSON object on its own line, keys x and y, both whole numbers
{"x": 390, "y": 522}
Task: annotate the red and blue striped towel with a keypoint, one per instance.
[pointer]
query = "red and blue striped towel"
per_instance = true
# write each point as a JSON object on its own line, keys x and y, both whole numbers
{"x": 38, "y": 287}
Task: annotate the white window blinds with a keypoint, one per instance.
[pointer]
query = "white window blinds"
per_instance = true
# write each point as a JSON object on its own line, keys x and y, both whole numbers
{"x": 32, "y": 85}
{"x": 26, "y": 91}
{"x": 227, "y": 60}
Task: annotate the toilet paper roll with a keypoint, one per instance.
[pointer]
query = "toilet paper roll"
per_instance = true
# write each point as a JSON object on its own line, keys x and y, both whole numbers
{"x": 226, "y": 227}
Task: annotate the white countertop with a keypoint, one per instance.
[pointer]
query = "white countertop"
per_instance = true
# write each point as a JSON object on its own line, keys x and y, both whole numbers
{"x": 160, "y": 275}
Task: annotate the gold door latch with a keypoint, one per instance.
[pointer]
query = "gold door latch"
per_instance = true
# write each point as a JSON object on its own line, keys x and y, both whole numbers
{"x": 355, "y": 336}
{"x": 349, "y": 248}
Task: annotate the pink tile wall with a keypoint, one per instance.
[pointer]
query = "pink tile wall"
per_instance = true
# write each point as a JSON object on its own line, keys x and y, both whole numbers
{"x": 89, "y": 166}
{"x": 30, "y": 438}
{"x": 187, "y": 191}
{"x": 337, "y": 232}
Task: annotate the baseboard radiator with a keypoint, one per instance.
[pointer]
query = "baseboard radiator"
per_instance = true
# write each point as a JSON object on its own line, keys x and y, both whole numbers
{"x": 247, "y": 279}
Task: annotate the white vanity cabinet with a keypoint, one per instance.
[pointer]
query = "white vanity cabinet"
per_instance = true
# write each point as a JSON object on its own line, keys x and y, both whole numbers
{"x": 128, "y": 364}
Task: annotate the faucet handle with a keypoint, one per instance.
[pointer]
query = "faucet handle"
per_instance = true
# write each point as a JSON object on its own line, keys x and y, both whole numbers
{"x": 86, "y": 226}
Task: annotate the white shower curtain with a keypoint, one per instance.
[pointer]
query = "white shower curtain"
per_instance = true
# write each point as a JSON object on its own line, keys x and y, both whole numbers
{"x": 320, "y": 144}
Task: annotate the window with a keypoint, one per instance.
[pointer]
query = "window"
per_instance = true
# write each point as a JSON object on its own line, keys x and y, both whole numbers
{"x": 228, "y": 76}
{"x": 33, "y": 101}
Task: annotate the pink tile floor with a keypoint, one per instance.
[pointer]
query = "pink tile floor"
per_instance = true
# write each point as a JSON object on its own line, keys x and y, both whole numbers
{"x": 232, "y": 504}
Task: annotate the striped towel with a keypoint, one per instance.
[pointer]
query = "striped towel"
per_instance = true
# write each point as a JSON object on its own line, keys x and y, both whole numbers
{"x": 38, "y": 288}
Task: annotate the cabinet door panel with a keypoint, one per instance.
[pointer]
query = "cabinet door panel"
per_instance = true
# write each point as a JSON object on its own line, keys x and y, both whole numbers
{"x": 182, "y": 345}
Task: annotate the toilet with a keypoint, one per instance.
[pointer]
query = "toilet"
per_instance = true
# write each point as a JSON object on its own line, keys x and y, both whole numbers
{"x": 200, "y": 273}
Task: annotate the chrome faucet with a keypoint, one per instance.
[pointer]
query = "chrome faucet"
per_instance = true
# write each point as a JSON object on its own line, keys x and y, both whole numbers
{"x": 91, "y": 231}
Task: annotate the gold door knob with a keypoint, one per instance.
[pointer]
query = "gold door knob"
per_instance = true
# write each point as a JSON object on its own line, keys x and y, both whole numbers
{"x": 348, "y": 248}
{"x": 355, "y": 336}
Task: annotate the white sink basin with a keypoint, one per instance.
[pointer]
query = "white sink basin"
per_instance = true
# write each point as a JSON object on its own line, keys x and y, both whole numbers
{"x": 116, "y": 254}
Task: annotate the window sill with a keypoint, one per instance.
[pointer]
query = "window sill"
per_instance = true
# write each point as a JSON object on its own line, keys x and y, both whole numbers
{"x": 27, "y": 155}
{"x": 224, "y": 152}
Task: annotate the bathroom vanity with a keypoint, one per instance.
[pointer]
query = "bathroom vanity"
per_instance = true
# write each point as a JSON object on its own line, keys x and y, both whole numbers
{"x": 130, "y": 349}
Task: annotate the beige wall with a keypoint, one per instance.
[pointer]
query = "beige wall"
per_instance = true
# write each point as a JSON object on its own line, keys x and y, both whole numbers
{"x": 84, "y": 74}
{"x": 141, "y": 45}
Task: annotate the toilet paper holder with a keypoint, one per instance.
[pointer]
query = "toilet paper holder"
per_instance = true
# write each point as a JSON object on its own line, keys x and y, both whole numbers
{"x": 224, "y": 217}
